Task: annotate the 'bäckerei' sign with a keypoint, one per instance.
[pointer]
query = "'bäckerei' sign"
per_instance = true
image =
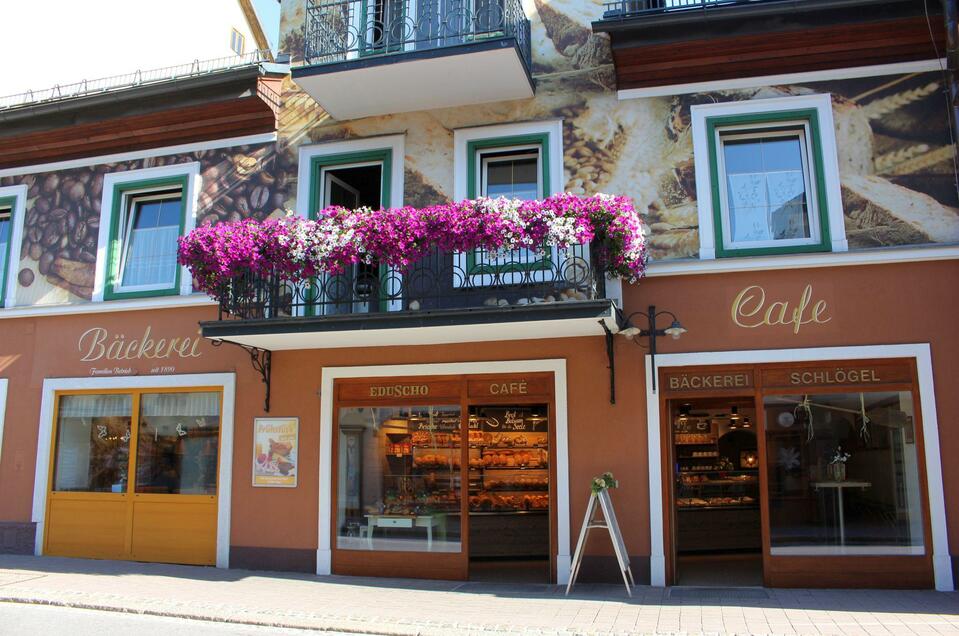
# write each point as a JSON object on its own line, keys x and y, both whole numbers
{"x": 709, "y": 381}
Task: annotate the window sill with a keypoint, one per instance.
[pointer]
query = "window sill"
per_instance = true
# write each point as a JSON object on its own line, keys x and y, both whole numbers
{"x": 876, "y": 256}
{"x": 127, "y": 304}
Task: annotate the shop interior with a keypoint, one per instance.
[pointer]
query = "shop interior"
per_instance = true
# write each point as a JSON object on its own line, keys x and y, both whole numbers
{"x": 402, "y": 485}
{"x": 715, "y": 481}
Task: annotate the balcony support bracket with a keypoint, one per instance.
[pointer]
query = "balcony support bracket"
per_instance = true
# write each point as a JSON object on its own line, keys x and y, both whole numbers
{"x": 262, "y": 361}
{"x": 611, "y": 356}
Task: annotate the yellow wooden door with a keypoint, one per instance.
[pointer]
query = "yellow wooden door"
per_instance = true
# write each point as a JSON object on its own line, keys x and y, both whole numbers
{"x": 132, "y": 523}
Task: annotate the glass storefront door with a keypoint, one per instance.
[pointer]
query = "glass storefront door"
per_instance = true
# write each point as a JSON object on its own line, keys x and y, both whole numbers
{"x": 135, "y": 476}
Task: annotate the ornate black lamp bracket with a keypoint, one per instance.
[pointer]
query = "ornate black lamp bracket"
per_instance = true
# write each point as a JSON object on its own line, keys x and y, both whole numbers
{"x": 262, "y": 361}
{"x": 611, "y": 356}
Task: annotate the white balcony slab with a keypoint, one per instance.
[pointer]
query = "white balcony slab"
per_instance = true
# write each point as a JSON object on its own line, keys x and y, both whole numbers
{"x": 477, "y": 73}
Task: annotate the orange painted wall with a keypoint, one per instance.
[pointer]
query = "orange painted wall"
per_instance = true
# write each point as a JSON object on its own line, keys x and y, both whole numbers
{"x": 867, "y": 305}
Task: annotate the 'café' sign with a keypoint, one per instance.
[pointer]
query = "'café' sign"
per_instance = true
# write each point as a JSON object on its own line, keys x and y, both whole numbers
{"x": 750, "y": 310}
{"x": 98, "y": 344}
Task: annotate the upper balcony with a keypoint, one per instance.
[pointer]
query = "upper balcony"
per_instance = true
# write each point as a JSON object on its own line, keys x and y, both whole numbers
{"x": 664, "y": 43}
{"x": 461, "y": 297}
{"x": 373, "y": 57}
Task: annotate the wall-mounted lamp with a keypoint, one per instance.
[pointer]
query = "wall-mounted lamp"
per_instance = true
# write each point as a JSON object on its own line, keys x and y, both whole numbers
{"x": 631, "y": 332}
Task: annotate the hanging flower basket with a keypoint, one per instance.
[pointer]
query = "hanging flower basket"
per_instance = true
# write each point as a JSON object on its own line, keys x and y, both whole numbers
{"x": 299, "y": 249}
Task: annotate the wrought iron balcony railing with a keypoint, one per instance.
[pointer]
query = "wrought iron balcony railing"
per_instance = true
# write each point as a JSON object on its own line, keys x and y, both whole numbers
{"x": 620, "y": 9}
{"x": 339, "y": 30}
{"x": 440, "y": 281}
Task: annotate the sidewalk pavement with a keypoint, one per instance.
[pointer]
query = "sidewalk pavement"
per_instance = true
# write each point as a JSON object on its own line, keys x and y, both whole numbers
{"x": 407, "y": 607}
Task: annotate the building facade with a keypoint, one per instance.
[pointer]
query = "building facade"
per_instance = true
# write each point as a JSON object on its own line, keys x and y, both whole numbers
{"x": 445, "y": 420}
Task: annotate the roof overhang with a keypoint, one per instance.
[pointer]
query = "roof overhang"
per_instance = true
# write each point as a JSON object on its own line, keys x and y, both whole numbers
{"x": 484, "y": 324}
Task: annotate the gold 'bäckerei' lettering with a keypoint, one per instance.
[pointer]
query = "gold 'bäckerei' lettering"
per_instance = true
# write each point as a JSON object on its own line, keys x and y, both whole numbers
{"x": 400, "y": 390}
{"x": 709, "y": 381}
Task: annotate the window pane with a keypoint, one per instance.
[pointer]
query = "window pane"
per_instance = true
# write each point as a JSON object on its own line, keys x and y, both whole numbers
{"x": 177, "y": 443}
{"x": 152, "y": 245}
{"x": 766, "y": 189}
{"x": 822, "y": 501}
{"x": 398, "y": 485}
{"x": 4, "y": 240}
{"x": 512, "y": 178}
{"x": 93, "y": 443}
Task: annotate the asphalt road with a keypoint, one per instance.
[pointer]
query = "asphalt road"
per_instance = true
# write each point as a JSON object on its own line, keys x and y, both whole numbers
{"x": 38, "y": 620}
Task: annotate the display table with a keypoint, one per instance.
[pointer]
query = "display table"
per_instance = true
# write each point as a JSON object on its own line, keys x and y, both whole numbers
{"x": 840, "y": 486}
{"x": 406, "y": 521}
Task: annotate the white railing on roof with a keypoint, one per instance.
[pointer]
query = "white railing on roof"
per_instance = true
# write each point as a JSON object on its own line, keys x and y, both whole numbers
{"x": 131, "y": 80}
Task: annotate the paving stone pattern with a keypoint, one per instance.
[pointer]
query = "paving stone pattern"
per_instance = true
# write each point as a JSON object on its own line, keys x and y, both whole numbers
{"x": 427, "y": 608}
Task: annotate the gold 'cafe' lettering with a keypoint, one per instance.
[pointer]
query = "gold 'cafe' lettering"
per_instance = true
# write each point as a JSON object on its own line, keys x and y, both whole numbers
{"x": 96, "y": 344}
{"x": 400, "y": 390}
{"x": 749, "y": 310}
{"x": 508, "y": 388}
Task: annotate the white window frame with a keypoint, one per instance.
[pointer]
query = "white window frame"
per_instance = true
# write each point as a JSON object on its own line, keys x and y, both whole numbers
{"x": 795, "y": 130}
{"x": 19, "y": 212}
{"x": 396, "y": 144}
{"x": 194, "y": 185}
{"x": 127, "y": 207}
{"x": 553, "y": 129}
{"x": 822, "y": 103}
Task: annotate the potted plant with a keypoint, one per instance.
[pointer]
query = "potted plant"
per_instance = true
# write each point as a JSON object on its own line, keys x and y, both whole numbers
{"x": 837, "y": 465}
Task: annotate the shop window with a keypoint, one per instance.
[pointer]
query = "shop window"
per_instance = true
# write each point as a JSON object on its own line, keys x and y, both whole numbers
{"x": 398, "y": 479}
{"x": 146, "y": 217}
{"x": 176, "y": 436}
{"x": 843, "y": 474}
{"x": 93, "y": 443}
{"x": 177, "y": 443}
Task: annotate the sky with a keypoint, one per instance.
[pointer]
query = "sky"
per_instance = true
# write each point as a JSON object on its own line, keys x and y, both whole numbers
{"x": 269, "y": 12}
{"x": 91, "y": 39}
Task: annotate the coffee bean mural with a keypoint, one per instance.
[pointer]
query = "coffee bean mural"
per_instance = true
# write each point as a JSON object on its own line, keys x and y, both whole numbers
{"x": 62, "y": 222}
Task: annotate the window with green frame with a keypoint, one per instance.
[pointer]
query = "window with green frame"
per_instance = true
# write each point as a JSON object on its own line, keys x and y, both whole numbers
{"x": 329, "y": 188}
{"x": 768, "y": 185}
{"x": 7, "y": 206}
{"x": 516, "y": 168}
{"x": 147, "y": 218}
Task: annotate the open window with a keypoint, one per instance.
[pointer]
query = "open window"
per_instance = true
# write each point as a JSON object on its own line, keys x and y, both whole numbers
{"x": 352, "y": 181}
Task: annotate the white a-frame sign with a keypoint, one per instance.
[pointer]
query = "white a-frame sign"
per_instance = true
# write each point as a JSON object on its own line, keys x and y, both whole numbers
{"x": 602, "y": 502}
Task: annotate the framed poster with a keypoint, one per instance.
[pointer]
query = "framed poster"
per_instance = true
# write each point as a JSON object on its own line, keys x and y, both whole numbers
{"x": 275, "y": 446}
